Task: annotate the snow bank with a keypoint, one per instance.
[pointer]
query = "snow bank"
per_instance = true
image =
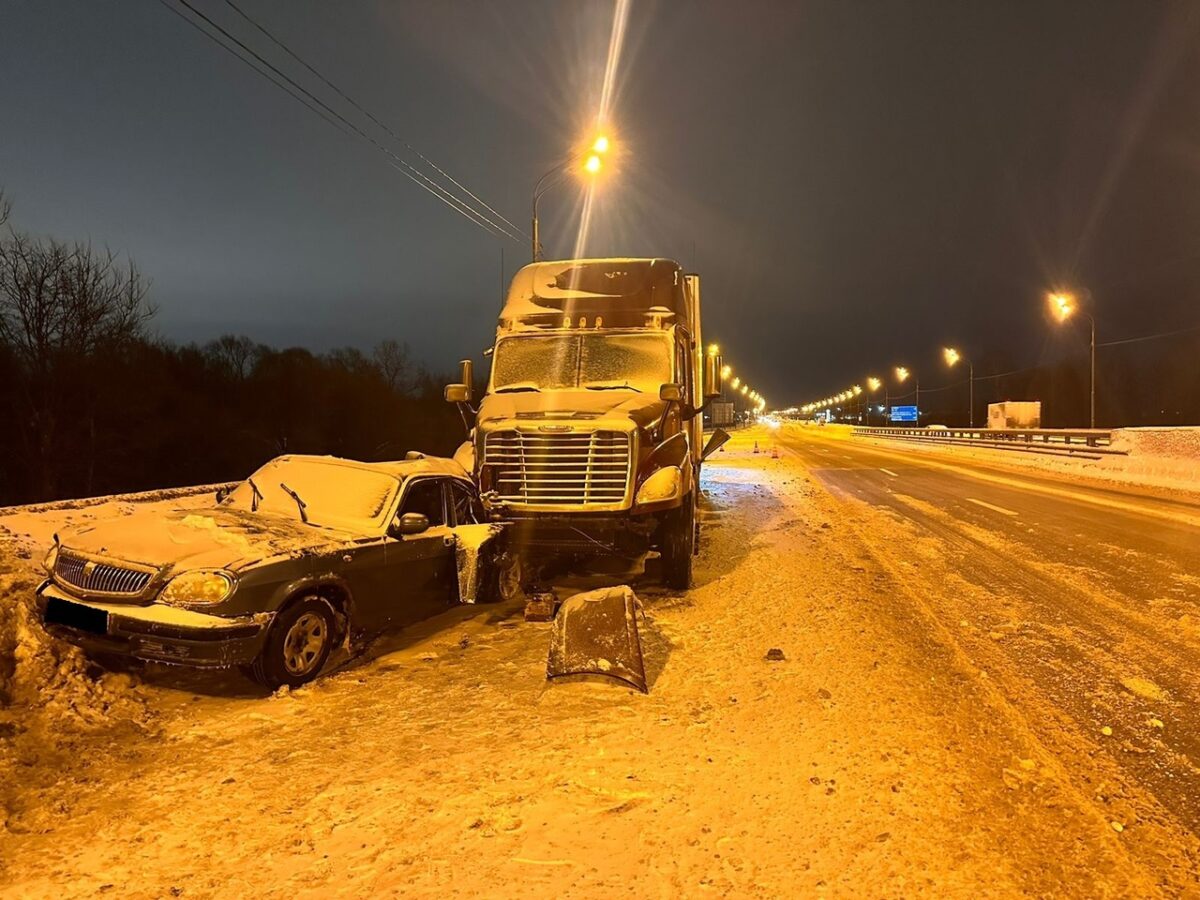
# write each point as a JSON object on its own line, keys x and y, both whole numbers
{"x": 1166, "y": 457}
{"x": 1161, "y": 458}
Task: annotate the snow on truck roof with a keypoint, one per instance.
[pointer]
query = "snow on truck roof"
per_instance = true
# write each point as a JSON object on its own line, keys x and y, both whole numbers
{"x": 541, "y": 292}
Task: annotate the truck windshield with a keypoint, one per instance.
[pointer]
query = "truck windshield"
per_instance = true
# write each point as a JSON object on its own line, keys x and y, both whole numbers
{"x": 635, "y": 362}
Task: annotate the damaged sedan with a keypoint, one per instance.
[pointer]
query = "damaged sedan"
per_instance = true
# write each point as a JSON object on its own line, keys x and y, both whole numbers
{"x": 306, "y": 554}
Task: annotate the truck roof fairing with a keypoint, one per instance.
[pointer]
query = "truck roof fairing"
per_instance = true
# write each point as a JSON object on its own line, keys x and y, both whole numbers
{"x": 621, "y": 291}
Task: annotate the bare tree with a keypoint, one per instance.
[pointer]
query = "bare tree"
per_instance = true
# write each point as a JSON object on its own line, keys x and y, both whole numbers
{"x": 394, "y": 363}
{"x": 61, "y": 306}
{"x": 236, "y": 354}
{"x": 5, "y": 209}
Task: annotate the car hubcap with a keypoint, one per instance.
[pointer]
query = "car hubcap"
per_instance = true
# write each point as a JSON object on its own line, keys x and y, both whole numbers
{"x": 303, "y": 644}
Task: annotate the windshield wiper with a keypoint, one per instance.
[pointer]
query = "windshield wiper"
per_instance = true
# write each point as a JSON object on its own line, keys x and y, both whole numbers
{"x": 299, "y": 503}
{"x": 612, "y": 386}
{"x": 256, "y": 497}
{"x": 514, "y": 388}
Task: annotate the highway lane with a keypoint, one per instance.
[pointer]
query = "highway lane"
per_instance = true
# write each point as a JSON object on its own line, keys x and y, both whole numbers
{"x": 1081, "y": 602}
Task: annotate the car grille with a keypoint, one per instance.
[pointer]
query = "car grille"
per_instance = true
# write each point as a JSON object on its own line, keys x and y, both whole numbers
{"x": 98, "y": 577}
{"x": 558, "y": 469}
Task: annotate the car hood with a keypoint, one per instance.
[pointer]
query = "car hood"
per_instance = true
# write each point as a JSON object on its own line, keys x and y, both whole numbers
{"x": 583, "y": 406}
{"x": 198, "y": 538}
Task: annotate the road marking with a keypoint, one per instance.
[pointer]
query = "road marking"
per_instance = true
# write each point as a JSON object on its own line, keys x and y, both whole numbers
{"x": 890, "y": 472}
{"x": 999, "y": 509}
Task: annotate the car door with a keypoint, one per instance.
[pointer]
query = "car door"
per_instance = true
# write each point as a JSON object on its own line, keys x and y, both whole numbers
{"x": 422, "y": 566}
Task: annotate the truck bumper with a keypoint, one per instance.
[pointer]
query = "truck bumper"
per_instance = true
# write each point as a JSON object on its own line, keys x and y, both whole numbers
{"x": 155, "y": 632}
{"x": 623, "y": 534}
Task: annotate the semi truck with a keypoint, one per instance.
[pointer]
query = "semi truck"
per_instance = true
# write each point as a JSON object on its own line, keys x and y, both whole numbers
{"x": 589, "y": 436}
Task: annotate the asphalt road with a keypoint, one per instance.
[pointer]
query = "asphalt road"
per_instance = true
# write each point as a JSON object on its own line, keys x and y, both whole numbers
{"x": 1080, "y": 601}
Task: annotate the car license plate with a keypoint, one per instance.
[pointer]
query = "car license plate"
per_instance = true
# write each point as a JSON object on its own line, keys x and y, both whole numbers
{"x": 76, "y": 615}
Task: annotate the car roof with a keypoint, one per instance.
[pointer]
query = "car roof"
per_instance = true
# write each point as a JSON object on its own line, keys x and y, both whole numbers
{"x": 400, "y": 468}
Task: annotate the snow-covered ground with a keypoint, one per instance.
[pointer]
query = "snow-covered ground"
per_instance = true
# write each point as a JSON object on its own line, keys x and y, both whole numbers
{"x": 885, "y": 754}
{"x": 1163, "y": 459}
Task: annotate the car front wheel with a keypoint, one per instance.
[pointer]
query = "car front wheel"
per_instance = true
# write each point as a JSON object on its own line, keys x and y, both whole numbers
{"x": 297, "y": 645}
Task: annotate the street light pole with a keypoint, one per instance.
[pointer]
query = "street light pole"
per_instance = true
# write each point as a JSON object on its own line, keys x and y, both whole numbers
{"x": 1092, "y": 319}
{"x": 971, "y": 394}
{"x": 1062, "y": 307}
{"x": 540, "y": 188}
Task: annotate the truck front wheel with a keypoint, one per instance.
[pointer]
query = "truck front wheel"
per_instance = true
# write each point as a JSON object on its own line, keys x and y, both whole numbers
{"x": 677, "y": 542}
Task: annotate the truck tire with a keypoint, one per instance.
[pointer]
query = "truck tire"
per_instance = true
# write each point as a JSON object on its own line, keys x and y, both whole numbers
{"x": 677, "y": 541}
{"x": 299, "y": 642}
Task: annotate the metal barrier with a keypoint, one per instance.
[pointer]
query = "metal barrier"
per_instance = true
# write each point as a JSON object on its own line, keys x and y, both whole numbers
{"x": 1087, "y": 443}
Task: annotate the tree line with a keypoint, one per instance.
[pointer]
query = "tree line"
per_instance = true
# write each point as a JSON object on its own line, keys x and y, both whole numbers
{"x": 91, "y": 402}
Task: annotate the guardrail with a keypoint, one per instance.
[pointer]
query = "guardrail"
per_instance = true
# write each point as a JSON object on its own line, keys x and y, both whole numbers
{"x": 135, "y": 497}
{"x": 1089, "y": 443}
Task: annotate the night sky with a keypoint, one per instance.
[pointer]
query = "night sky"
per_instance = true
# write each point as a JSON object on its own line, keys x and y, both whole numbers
{"x": 858, "y": 183}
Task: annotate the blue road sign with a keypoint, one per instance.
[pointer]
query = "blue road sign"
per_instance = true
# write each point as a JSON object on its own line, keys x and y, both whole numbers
{"x": 904, "y": 414}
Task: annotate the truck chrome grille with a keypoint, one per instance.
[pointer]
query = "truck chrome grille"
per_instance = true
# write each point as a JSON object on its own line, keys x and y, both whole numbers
{"x": 558, "y": 469}
{"x": 98, "y": 577}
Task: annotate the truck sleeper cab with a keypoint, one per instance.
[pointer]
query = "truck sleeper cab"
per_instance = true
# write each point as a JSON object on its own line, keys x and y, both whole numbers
{"x": 588, "y": 436}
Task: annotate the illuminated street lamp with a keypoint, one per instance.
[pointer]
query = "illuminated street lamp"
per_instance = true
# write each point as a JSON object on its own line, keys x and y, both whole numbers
{"x": 902, "y": 375}
{"x": 873, "y": 384}
{"x": 1062, "y": 307}
{"x": 953, "y": 358}
{"x": 591, "y": 165}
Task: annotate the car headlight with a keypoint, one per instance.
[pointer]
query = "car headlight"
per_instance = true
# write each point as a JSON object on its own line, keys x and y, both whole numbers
{"x": 203, "y": 587}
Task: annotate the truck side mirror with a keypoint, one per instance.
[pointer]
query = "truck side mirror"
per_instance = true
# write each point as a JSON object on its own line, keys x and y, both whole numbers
{"x": 713, "y": 383}
{"x": 409, "y": 523}
{"x": 670, "y": 393}
{"x": 467, "y": 376}
{"x": 457, "y": 393}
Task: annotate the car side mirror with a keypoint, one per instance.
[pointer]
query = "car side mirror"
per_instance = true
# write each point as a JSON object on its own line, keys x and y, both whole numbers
{"x": 670, "y": 393}
{"x": 457, "y": 393}
{"x": 410, "y": 523}
{"x": 223, "y": 493}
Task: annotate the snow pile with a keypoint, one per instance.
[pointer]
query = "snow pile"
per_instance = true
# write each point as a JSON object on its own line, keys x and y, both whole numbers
{"x": 1165, "y": 457}
{"x": 48, "y": 688}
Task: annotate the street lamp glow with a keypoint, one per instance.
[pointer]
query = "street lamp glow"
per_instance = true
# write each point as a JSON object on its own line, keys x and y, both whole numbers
{"x": 857, "y": 389}
{"x": 1062, "y": 306}
{"x": 737, "y": 383}
{"x": 726, "y": 371}
{"x": 874, "y": 384}
{"x": 901, "y": 374}
{"x": 593, "y": 164}
{"x": 601, "y": 144}
{"x": 713, "y": 349}
{"x": 952, "y": 356}
{"x": 745, "y": 389}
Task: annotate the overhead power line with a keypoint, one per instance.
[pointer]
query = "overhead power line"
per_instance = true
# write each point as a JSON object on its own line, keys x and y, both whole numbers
{"x": 337, "y": 90}
{"x": 397, "y": 162}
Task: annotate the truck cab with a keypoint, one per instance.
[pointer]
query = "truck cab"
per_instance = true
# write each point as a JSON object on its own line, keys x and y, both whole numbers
{"x": 589, "y": 434}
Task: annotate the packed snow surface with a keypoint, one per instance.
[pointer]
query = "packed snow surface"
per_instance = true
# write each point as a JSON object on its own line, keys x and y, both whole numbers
{"x": 874, "y": 688}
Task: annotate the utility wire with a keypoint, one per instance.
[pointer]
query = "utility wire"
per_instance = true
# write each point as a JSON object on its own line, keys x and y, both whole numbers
{"x": 401, "y": 165}
{"x": 337, "y": 90}
{"x": 281, "y": 85}
{"x": 1150, "y": 337}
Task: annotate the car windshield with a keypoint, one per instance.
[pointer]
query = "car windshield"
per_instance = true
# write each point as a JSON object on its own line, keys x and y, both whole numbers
{"x": 334, "y": 494}
{"x": 636, "y": 362}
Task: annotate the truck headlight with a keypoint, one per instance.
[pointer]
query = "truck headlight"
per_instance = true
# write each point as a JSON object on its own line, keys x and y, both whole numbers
{"x": 203, "y": 587}
{"x": 665, "y": 484}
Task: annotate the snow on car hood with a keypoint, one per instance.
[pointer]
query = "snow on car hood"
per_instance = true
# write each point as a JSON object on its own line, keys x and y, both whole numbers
{"x": 197, "y": 538}
{"x": 644, "y": 409}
